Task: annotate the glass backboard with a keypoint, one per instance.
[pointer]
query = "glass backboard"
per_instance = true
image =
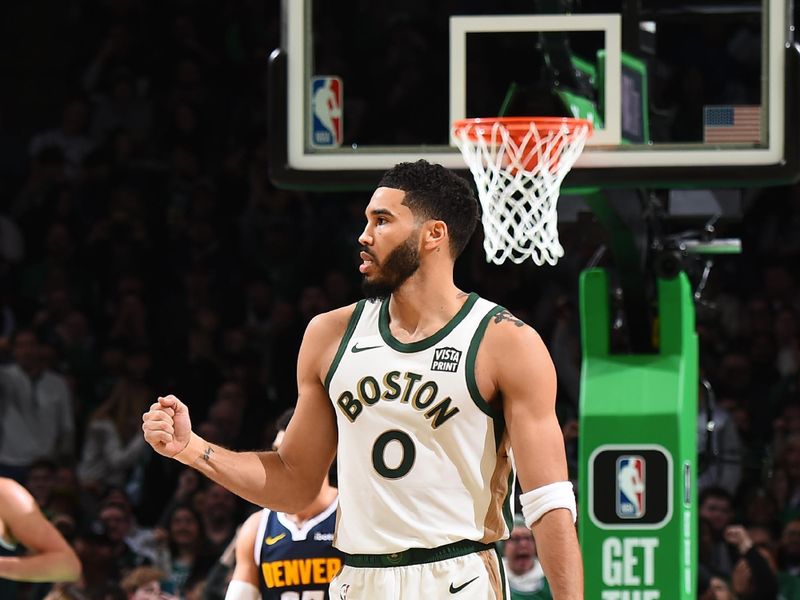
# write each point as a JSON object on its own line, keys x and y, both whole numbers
{"x": 682, "y": 94}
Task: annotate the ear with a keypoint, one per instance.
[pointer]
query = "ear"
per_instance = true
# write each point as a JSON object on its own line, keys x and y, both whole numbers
{"x": 436, "y": 236}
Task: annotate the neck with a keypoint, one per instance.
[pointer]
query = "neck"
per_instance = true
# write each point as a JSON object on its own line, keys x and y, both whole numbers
{"x": 319, "y": 504}
{"x": 424, "y": 302}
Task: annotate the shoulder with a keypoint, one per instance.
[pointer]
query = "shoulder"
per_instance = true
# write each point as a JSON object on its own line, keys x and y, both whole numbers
{"x": 249, "y": 529}
{"x": 15, "y": 498}
{"x": 321, "y": 340}
{"x": 10, "y": 488}
{"x": 12, "y": 373}
{"x": 514, "y": 351}
{"x": 506, "y": 333}
{"x": 331, "y": 324}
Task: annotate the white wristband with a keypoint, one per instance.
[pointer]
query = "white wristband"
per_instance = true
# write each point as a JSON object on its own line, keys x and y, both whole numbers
{"x": 242, "y": 590}
{"x": 546, "y": 498}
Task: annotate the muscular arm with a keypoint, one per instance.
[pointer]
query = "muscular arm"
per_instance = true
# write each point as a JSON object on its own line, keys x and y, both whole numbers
{"x": 51, "y": 557}
{"x": 513, "y": 362}
{"x": 286, "y": 480}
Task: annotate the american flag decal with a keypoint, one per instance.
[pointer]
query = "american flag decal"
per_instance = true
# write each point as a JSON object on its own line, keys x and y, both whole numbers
{"x": 726, "y": 124}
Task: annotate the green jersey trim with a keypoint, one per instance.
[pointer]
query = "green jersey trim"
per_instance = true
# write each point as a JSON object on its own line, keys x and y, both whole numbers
{"x": 472, "y": 354}
{"x": 502, "y": 571}
{"x": 394, "y": 344}
{"x": 508, "y": 515}
{"x": 416, "y": 556}
{"x": 348, "y": 333}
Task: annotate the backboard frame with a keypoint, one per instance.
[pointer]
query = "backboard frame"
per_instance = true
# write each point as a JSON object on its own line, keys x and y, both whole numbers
{"x": 291, "y": 166}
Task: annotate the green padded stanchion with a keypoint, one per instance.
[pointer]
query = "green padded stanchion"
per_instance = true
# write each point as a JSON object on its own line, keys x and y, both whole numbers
{"x": 638, "y": 451}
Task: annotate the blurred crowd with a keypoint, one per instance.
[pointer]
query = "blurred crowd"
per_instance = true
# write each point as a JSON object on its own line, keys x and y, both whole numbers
{"x": 143, "y": 251}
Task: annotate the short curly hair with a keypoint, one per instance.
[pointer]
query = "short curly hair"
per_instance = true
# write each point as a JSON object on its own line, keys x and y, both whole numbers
{"x": 433, "y": 192}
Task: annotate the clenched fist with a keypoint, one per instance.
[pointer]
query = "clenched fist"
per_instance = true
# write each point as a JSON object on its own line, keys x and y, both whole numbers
{"x": 167, "y": 427}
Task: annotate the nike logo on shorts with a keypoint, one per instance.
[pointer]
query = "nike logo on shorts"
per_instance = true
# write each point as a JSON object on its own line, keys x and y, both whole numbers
{"x": 455, "y": 590}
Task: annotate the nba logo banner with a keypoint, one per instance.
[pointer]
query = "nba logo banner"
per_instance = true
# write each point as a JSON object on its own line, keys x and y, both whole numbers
{"x": 631, "y": 489}
{"x": 326, "y": 112}
{"x": 630, "y": 486}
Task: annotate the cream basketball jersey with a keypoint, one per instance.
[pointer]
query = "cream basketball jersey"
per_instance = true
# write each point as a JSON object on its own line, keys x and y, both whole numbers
{"x": 423, "y": 460}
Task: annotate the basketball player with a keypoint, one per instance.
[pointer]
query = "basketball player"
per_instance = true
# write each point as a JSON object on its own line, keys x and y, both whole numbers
{"x": 285, "y": 554}
{"x": 422, "y": 390}
{"x": 47, "y": 555}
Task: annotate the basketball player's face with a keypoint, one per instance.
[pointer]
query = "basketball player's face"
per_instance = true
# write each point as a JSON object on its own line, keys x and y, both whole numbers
{"x": 389, "y": 244}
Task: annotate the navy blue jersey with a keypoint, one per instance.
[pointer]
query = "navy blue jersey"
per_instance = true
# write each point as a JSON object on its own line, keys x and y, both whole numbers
{"x": 296, "y": 563}
{"x": 8, "y": 589}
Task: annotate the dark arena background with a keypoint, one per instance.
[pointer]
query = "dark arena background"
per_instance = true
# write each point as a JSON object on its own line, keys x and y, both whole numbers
{"x": 173, "y": 213}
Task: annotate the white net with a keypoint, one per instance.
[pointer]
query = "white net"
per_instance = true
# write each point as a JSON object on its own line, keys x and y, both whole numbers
{"x": 518, "y": 171}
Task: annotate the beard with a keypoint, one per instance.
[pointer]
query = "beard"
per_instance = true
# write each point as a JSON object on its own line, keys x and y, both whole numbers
{"x": 401, "y": 264}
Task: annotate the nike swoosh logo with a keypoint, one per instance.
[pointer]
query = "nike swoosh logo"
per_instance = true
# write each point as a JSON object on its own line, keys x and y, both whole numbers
{"x": 455, "y": 590}
{"x": 355, "y": 348}
{"x": 272, "y": 540}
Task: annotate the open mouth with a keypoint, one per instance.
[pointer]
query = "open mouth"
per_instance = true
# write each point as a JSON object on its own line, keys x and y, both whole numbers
{"x": 367, "y": 262}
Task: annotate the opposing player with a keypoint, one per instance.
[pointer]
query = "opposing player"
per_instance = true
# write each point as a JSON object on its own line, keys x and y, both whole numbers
{"x": 31, "y": 549}
{"x": 422, "y": 390}
{"x": 287, "y": 555}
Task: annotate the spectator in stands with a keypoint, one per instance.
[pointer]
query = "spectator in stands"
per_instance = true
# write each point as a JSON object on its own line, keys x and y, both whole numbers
{"x": 221, "y": 516}
{"x": 716, "y": 509}
{"x": 70, "y": 136}
{"x": 99, "y": 574}
{"x": 789, "y": 461}
{"x": 121, "y": 107}
{"x": 40, "y": 482}
{"x": 525, "y": 574}
{"x": 142, "y": 539}
{"x": 37, "y": 420}
{"x": 144, "y": 583}
{"x": 228, "y": 417}
{"x": 186, "y": 486}
{"x": 758, "y": 508}
{"x": 117, "y": 47}
{"x": 754, "y": 573}
{"x": 117, "y": 522}
{"x": 721, "y": 589}
{"x": 112, "y": 443}
{"x": 183, "y": 554}
{"x": 719, "y": 448}
{"x": 789, "y": 560}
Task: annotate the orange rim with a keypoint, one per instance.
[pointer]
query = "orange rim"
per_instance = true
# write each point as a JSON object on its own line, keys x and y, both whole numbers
{"x": 518, "y": 127}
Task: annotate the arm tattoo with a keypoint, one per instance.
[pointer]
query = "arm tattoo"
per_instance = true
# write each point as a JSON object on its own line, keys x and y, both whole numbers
{"x": 207, "y": 454}
{"x": 507, "y": 316}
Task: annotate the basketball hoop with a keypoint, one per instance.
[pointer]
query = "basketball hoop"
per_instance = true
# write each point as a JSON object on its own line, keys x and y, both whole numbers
{"x": 518, "y": 164}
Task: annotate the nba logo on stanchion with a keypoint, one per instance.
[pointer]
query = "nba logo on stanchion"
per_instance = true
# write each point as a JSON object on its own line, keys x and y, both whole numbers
{"x": 326, "y": 112}
{"x": 631, "y": 495}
